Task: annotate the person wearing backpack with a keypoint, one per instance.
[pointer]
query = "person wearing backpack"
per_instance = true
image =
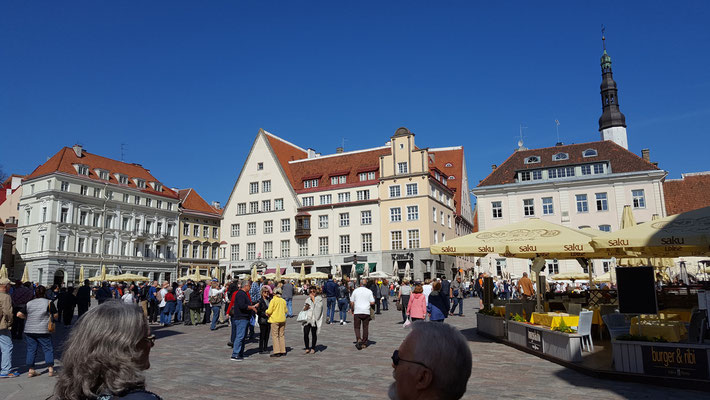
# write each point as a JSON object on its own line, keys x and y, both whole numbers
{"x": 216, "y": 298}
{"x": 343, "y": 296}
{"x": 194, "y": 304}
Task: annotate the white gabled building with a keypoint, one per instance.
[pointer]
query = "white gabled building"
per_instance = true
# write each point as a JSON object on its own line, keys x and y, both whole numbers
{"x": 82, "y": 210}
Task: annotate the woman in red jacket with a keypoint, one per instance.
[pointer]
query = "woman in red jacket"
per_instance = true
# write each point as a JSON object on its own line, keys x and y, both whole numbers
{"x": 416, "y": 309}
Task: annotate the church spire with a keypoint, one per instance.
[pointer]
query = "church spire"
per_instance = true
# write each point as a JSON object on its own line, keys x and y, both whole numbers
{"x": 612, "y": 123}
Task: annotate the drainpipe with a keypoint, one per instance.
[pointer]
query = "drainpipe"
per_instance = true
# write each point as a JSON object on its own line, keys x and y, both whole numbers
{"x": 103, "y": 229}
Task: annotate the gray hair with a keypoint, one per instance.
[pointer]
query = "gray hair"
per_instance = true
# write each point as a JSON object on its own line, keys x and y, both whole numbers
{"x": 105, "y": 339}
{"x": 443, "y": 349}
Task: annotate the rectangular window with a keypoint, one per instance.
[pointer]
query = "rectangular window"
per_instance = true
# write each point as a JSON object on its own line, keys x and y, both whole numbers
{"x": 285, "y": 248}
{"x": 82, "y": 217}
{"x": 582, "y": 206}
{"x": 602, "y": 204}
{"x": 83, "y": 170}
{"x": 185, "y": 229}
{"x": 268, "y": 250}
{"x": 159, "y": 204}
{"x": 537, "y": 174}
{"x": 253, "y": 187}
{"x": 553, "y": 267}
{"x": 241, "y": 208}
{"x": 412, "y": 189}
{"x": 125, "y": 223}
{"x": 344, "y": 219}
{"x": 528, "y": 207}
{"x": 278, "y": 204}
{"x": 94, "y": 246}
{"x": 97, "y": 192}
{"x": 639, "y": 198}
{"x": 366, "y": 176}
{"x": 64, "y": 214}
{"x": 412, "y": 213}
{"x": 598, "y": 168}
{"x": 345, "y": 244}
{"x": 302, "y": 247}
{"x": 62, "y": 243}
{"x": 206, "y": 231}
{"x": 185, "y": 250}
{"x": 436, "y": 237}
{"x": 170, "y": 206}
{"x": 136, "y": 200}
{"x": 235, "y": 230}
{"x": 251, "y": 228}
{"x": 259, "y": 166}
{"x": 366, "y": 242}
{"x": 402, "y": 168}
{"x": 97, "y": 220}
{"x": 322, "y": 221}
{"x": 547, "y": 207}
{"x": 148, "y": 202}
{"x": 586, "y": 169}
{"x": 343, "y": 197}
{"x": 195, "y": 229}
{"x": 396, "y": 237}
{"x": 326, "y": 199}
{"x": 234, "y": 252}
{"x": 605, "y": 228}
{"x": 309, "y": 183}
{"x": 80, "y": 246}
{"x": 395, "y": 191}
{"x": 308, "y": 201}
{"x": 251, "y": 251}
{"x": 266, "y": 186}
{"x": 497, "y": 209}
{"x": 215, "y": 232}
{"x": 395, "y": 214}
{"x": 253, "y": 207}
{"x": 84, "y": 190}
{"x": 363, "y": 195}
{"x": 123, "y": 179}
{"x": 268, "y": 227}
{"x": 340, "y": 179}
{"x": 126, "y": 198}
{"x": 365, "y": 217}
{"x": 285, "y": 225}
{"x": 561, "y": 172}
{"x": 64, "y": 188}
{"x": 109, "y": 222}
{"x": 448, "y": 220}
{"x": 323, "y": 245}
{"x": 442, "y": 218}
{"x": 433, "y": 212}
{"x": 413, "y": 239}
{"x": 525, "y": 175}
{"x": 205, "y": 252}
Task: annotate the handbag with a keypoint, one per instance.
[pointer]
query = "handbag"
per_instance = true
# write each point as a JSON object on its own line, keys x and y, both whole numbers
{"x": 51, "y": 326}
{"x": 399, "y": 305}
{"x": 302, "y": 316}
{"x": 407, "y": 322}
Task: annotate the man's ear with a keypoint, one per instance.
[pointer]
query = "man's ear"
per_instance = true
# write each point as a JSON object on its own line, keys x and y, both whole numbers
{"x": 423, "y": 379}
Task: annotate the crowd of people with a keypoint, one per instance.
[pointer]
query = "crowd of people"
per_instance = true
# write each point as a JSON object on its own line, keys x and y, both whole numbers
{"x": 30, "y": 311}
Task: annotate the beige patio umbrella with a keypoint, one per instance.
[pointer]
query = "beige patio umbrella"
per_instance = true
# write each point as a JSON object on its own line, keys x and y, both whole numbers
{"x": 26, "y": 275}
{"x": 278, "y": 273}
{"x": 3, "y": 272}
{"x": 270, "y": 275}
{"x": 317, "y": 275}
{"x": 128, "y": 277}
{"x": 685, "y": 234}
{"x": 292, "y": 275}
{"x": 407, "y": 272}
{"x": 568, "y": 276}
{"x": 627, "y": 221}
{"x": 302, "y": 275}
{"x": 103, "y": 273}
{"x": 81, "y": 274}
{"x": 254, "y": 274}
{"x": 395, "y": 269}
{"x": 605, "y": 277}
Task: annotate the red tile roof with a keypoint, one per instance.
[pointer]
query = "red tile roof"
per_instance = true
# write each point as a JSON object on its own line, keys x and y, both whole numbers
{"x": 65, "y": 159}
{"x": 620, "y": 159}
{"x": 191, "y": 201}
{"x": 688, "y": 193}
{"x": 285, "y": 152}
{"x": 349, "y": 164}
{"x": 450, "y": 162}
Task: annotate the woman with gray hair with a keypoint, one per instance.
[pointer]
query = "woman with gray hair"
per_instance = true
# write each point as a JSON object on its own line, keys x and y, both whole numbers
{"x": 106, "y": 354}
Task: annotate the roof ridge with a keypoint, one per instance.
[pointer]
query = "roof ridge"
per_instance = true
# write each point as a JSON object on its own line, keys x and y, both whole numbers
{"x": 446, "y": 148}
{"x": 285, "y": 141}
{"x": 340, "y": 154}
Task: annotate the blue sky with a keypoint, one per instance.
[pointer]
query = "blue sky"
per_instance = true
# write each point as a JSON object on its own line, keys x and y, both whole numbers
{"x": 187, "y": 85}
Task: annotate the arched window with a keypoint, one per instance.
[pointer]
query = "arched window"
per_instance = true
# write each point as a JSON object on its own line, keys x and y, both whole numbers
{"x": 590, "y": 153}
{"x": 532, "y": 160}
{"x": 560, "y": 156}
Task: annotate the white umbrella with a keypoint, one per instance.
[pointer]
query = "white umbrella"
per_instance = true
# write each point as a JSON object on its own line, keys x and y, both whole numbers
{"x": 379, "y": 274}
{"x": 407, "y": 272}
{"x": 278, "y": 272}
{"x": 395, "y": 269}
{"x": 339, "y": 271}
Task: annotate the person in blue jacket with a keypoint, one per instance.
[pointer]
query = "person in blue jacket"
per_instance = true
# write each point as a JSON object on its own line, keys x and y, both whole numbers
{"x": 438, "y": 307}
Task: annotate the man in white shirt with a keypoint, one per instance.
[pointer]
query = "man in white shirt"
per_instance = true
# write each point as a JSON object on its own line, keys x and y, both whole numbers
{"x": 360, "y": 302}
{"x": 162, "y": 303}
{"x": 427, "y": 289}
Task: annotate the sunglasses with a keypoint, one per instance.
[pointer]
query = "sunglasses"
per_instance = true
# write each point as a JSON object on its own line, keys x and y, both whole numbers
{"x": 396, "y": 360}
{"x": 150, "y": 339}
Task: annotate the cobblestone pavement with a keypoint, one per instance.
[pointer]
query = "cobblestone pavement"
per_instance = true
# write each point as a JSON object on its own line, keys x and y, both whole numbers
{"x": 189, "y": 359}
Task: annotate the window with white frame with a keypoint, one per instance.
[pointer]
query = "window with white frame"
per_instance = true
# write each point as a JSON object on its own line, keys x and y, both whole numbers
{"x": 442, "y": 217}
{"x": 234, "y": 252}
{"x": 83, "y": 170}
{"x": 205, "y": 231}
{"x": 323, "y": 245}
{"x": 235, "y": 230}
{"x": 123, "y": 179}
{"x": 97, "y": 194}
{"x": 363, "y": 195}
{"x": 344, "y": 244}
{"x": 366, "y": 176}
{"x": 395, "y": 214}
{"x": 251, "y": 228}
{"x": 266, "y": 186}
{"x": 253, "y": 187}
{"x": 64, "y": 188}
{"x": 279, "y": 204}
{"x": 338, "y": 180}
{"x": 396, "y": 240}
{"x": 561, "y": 172}
{"x": 402, "y": 168}
{"x": 602, "y": 203}
{"x": 268, "y": 250}
{"x": 412, "y": 213}
{"x": 560, "y": 156}
{"x": 185, "y": 228}
{"x": 528, "y": 207}
{"x": 412, "y": 189}
{"x": 136, "y": 200}
{"x": 140, "y": 183}
{"x": 251, "y": 251}
{"x": 395, "y": 191}
{"x": 195, "y": 229}
{"x": 582, "y": 206}
{"x": 285, "y": 225}
{"x": 285, "y": 248}
{"x": 326, "y": 199}
{"x": 97, "y": 220}
{"x": 365, "y": 217}
{"x": 639, "y": 198}
{"x": 436, "y": 236}
{"x": 448, "y": 220}
{"x": 80, "y": 245}
{"x": 103, "y": 175}
{"x": 185, "y": 250}
{"x": 344, "y": 219}
{"x": 547, "y": 206}
{"x": 343, "y": 197}
{"x": 259, "y": 166}
{"x": 413, "y": 238}
{"x": 62, "y": 243}
{"x": 605, "y": 228}
{"x": 205, "y": 251}
{"x": 302, "y": 247}
{"x": 589, "y": 153}
{"x": 241, "y": 208}
{"x": 433, "y": 213}
{"x": 366, "y": 242}
{"x": 253, "y": 207}
{"x": 310, "y": 183}
{"x": 553, "y": 267}
{"x": 64, "y": 214}
{"x": 266, "y": 205}
{"x": 586, "y": 169}
{"x": 322, "y": 221}
{"x": 268, "y": 227}
{"x": 308, "y": 201}
{"x": 496, "y": 209}
{"x": 598, "y": 168}
{"x": 83, "y": 190}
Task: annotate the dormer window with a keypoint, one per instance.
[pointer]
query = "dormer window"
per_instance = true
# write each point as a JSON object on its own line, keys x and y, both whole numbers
{"x": 340, "y": 179}
{"x": 158, "y": 187}
{"x": 532, "y": 160}
{"x": 448, "y": 165}
{"x": 82, "y": 170}
{"x": 309, "y": 183}
{"x": 140, "y": 183}
{"x": 123, "y": 179}
{"x": 590, "y": 153}
{"x": 451, "y": 177}
{"x": 560, "y": 157}
{"x": 103, "y": 175}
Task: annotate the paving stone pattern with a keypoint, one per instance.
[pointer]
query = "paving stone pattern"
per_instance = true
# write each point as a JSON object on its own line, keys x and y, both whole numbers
{"x": 187, "y": 360}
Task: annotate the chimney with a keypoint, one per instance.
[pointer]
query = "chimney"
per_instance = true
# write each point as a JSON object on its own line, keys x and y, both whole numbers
{"x": 77, "y": 150}
{"x": 558, "y": 144}
{"x": 216, "y": 204}
{"x": 311, "y": 153}
{"x": 339, "y": 150}
{"x": 493, "y": 167}
{"x": 646, "y": 154}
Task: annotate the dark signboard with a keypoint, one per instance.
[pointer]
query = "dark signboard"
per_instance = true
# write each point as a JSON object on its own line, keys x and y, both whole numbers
{"x": 637, "y": 290}
{"x": 534, "y": 339}
{"x": 677, "y": 362}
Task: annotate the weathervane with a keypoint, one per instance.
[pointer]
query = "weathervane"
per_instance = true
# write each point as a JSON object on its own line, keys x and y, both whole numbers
{"x": 603, "y": 38}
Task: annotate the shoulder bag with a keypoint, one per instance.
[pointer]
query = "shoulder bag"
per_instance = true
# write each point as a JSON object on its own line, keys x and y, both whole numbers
{"x": 51, "y": 326}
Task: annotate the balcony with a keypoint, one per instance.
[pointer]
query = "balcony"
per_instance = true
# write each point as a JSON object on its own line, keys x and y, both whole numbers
{"x": 302, "y": 233}
{"x": 303, "y": 225}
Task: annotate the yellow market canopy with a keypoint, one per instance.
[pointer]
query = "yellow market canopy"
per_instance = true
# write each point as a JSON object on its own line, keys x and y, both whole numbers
{"x": 568, "y": 276}
{"x": 129, "y": 278}
{"x": 317, "y": 275}
{"x": 685, "y": 234}
{"x": 196, "y": 277}
{"x": 526, "y": 239}
{"x": 292, "y": 275}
